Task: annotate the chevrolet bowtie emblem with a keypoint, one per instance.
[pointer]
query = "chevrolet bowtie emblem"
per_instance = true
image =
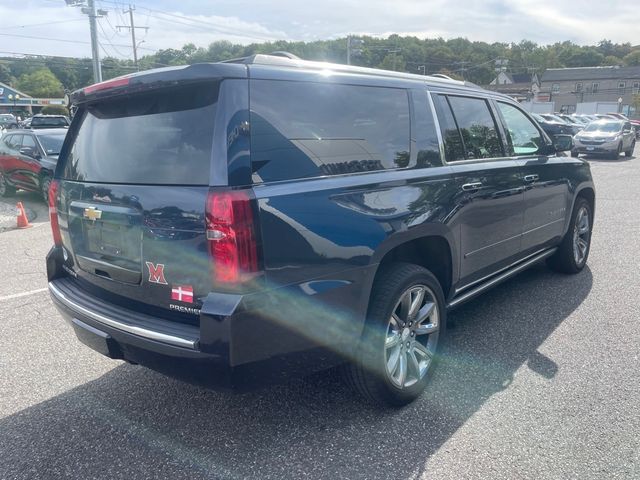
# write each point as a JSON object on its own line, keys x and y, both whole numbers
{"x": 92, "y": 213}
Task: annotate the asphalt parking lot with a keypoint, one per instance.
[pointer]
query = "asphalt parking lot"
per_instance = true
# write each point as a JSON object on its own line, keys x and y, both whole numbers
{"x": 540, "y": 379}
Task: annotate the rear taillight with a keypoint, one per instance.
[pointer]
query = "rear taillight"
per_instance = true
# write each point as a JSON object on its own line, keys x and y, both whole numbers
{"x": 231, "y": 236}
{"x": 53, "y": 213}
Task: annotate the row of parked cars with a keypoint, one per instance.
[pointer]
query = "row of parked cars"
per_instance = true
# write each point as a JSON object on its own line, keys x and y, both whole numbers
{"x": 608, "y": 134}
{"x": 8, "y": 121}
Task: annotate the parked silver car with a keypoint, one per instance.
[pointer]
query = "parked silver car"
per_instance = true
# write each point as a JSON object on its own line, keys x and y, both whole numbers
{"x": 609, "y": 137}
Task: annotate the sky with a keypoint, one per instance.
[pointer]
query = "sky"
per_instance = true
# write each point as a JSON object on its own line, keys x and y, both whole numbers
{"x": 64, "y": 30}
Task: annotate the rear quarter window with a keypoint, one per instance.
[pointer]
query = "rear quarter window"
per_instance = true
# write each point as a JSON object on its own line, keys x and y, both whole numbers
{"x": 164, "y": 137}
{"x": 303, "y": 130}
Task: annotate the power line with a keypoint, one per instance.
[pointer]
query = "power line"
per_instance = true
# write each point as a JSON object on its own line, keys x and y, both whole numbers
{"x": 64, "y": 40}
{"x": 108, "y": 42}
{"x": 42, "y": 24}
{"x": 194, "y": 22}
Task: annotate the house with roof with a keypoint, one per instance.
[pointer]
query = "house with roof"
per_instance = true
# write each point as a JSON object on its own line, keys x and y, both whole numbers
{"x": 566, "y": 87}
{"x": 520, "y": 86}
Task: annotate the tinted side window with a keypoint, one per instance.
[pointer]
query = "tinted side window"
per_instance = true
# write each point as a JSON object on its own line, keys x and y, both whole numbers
{"x": 453, "y": 146}
{"x": 28, "y": 142}
{"x": 14, "y": 142}
{"x": 477, "y": 126}
{"x": 314, "y": 129}
{"x": 427, "y": 143}
{"x": 523, "y": 136}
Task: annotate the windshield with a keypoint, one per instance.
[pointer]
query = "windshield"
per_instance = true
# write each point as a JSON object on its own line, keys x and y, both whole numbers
{"x": 51, "y": 143}
{"x": 539, "y": 118}
{"x": 605, "y": 127}
{"x": 554, "y": 118}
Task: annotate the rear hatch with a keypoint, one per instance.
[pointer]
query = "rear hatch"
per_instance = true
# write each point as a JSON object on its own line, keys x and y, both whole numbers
{"x": 134, "y": 180}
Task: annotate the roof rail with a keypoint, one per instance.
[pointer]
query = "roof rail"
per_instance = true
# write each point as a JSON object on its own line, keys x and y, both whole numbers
{"x": 286, "y": 59}
{"x": 441, "y": 75}
{"x": 281, "y": 53}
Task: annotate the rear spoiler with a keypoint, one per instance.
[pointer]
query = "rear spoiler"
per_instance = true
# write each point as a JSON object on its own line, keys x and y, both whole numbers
{"x": 157, "y": 78}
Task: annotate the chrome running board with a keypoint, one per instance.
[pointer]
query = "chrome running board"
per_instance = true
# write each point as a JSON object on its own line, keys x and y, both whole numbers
{"x": 499, "y": 278}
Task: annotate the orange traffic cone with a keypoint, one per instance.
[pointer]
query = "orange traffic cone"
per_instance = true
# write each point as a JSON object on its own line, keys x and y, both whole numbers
{"x": 23, "y": 221}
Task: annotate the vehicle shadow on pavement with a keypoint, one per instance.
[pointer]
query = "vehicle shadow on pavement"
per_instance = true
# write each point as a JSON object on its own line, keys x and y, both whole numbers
{"x": 137, "y": 423}
{"x": 621, "y": 159}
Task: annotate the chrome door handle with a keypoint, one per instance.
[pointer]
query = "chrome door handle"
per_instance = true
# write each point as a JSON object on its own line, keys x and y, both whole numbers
{"x": 472, "y": 187}
{"x": 531, "y": 178}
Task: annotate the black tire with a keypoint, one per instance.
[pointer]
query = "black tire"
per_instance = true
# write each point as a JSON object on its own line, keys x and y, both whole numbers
{"x": 6, "y": 190}
{"x": 574, "y": 154}
{"x": 565, "y": 260}
{"x": 629, "y": 152}
{"x": 45, "y": 183}
{"x": 368, "y": 374}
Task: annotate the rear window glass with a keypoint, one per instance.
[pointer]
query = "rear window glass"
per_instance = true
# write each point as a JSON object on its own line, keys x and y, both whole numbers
{"x": 49, "y": 121}
{"x": 316, "y": 129}
{"x": 164, "y": 138}
{"x": 51, "y": 143}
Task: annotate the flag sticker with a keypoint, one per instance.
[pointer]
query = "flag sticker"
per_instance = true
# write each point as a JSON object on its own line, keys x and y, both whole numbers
{"x": 182, "y": 293}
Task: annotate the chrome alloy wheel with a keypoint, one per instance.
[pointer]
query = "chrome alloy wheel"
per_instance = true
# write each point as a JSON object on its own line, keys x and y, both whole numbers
{"x": 412, "y": 336}
{"x": 581, "y": 236}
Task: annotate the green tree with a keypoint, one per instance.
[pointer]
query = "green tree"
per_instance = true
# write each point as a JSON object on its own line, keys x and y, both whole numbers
{"x": 632, "y": 59}
{"x": 54, "y": 110}
{"x": 5, "y": 74}
{"x": 575, "y": 56}
{"x": 393, "y": 61}
{"x": 612, "y": 60}
{"x": 40, "y": 83}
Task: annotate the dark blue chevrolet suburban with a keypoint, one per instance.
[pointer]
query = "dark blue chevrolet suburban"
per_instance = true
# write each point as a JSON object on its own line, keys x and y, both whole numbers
{"x": 240, "y": 223}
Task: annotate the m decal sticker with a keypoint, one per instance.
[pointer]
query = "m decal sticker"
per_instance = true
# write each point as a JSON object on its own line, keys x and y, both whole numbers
{"x": 156, "y": 273}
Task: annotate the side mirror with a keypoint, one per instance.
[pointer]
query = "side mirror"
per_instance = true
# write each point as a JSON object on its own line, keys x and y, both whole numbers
{"x": 562, "y": 143}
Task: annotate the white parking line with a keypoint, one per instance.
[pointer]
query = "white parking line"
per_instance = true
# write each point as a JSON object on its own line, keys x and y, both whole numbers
{"x": 23, "y": 294}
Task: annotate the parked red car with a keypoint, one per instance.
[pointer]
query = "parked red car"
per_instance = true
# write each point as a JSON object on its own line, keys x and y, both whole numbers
{"x": 28, "y": 159}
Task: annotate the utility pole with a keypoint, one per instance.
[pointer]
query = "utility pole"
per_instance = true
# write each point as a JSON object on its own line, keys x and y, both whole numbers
{"x": 351, "y": 43}
{"x": 89, "y": 9}
{"x": 132, "y": 27}
{"x": 95, "y": 51}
